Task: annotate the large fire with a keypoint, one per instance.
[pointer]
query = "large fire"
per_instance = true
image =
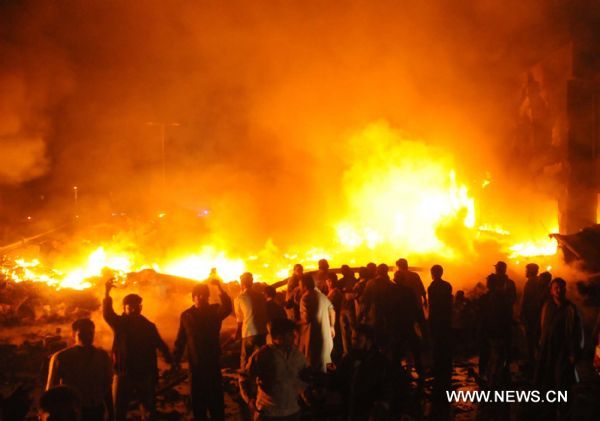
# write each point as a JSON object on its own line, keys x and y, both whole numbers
{"x": 402, "y": 197}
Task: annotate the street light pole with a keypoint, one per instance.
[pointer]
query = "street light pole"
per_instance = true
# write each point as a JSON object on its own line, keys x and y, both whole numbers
{"x": 163, "y": 140}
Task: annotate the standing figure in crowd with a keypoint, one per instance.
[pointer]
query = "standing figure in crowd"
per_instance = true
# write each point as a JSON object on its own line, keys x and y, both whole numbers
{"x": 136, "y": 340}
{"x": 317, "y": 318}
{"x": 251, "y": 314}
{"x": 274, "y": 370}
{"x": 596, "y": 345}
{"x": 86, "y": 369}
{"x": 348, "y": 308}
{"x": 561, "y": 340}
{"x": 494, "y": 332}
{"x": 440, "y": 324}
{"x": 365, "y": 378}
{"x": 199, "y": 335}
{"x": 335, "y": 297}
{"x": 531, "y": 309}
{"x": 293, "y": 293}
{"x": 60, "y": 403}
{"x": 371, "y": 270}
{"x": 274, "y": 310}
{"x": 460, "y": 322}
{"x": 545, "y": 279}
{"x": 505, "y": 284}
{"x": 321, "y": 276}
{"x": 413, "y": 298}
{"x": 412, "y": 280}
{"x": 375, "y": 308}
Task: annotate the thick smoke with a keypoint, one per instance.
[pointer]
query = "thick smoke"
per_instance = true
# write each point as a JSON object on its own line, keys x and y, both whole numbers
{"x": 265, "y": 95}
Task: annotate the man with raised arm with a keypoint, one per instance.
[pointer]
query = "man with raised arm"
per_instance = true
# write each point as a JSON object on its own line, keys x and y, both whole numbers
{"x": 199, "y": 335}
{"x": 136, "y": 340}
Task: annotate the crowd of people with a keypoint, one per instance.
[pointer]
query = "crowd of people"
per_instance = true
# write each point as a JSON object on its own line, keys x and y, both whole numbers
{"x": 361, "y": 334}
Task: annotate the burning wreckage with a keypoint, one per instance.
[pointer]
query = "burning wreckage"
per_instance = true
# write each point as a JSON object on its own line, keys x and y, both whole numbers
{"x": 388, "y": 193}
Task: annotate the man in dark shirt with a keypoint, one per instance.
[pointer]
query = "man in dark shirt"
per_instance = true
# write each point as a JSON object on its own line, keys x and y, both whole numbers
{"x": 292, "y": 294}
{"x": 348, "y": 308}
{"x": 561, "y": 340}
{"x": 199, "y": 335}
{"x": 375, "y": 309}
{"x": 440, "y": 324}
{"x": 506, "y": 284}
{"x": 531, "y": 309}
{"x": 494, "y": 320}
{"x": 274, "y": 309}
{"x": 366, "y": 379}
{"x": 134, "y": 354}
{"x": 410, "y": 279}
{"x": 271, "y": 382}
{"x": 561, "y": 346}
{"x": 87, "y": 369}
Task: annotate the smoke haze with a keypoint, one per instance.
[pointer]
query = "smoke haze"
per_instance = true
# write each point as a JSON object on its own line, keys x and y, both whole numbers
{"x": 266, "y": 97}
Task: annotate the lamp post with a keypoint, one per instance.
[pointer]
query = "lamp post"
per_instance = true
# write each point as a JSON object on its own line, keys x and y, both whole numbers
{"x": 163, "y": 134}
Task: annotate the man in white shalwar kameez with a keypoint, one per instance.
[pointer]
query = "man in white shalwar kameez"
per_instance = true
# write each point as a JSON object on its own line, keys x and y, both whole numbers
{"x": 317, "y": 319}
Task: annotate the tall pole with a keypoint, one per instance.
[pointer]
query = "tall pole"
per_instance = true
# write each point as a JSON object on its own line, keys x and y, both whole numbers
{"x": 163, "y": 149}
{"x": 76, "y": 201}
{"x": 163, "y": 131}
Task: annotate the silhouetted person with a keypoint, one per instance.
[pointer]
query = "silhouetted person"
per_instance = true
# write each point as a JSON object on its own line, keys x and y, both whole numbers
{"x": 274, "y": 370}
{"x": 440, "y": 325}
{"x": 317, "y": 318}
{"x": 531, "y": 309}
{"x": 460, "y": 321}
{"x": 250, "y": 309}
{"x": 410, "y": 279}
{"x": 404, "y": 313}
{"x": 60, "y": 403}
{"x": 375, "y": 309}
{"x": 365, "y": 378}
{"x": 359, "y": 289}
{"x": 321, "y": 276}
{"x": 335, "y": 296}
{"x": 545, "y": 279}
{"x": 596, "y": 344}
{"x": 136, "y": 340}
{"x": 274, "y": 309}
{"x": 16, "y": 405}
{"x": 561, "y": 340}
{"x": 495, "y": 319}
{"x": 292, "y": 293}
{"x": 505, "y": 284}
{"x": 199, "y": 335}
{"x": 348, "y": 308}
{"x": 410, "y": 313}
{"x": 371, "y": 271}
{"x": 348, "y": 278}
{"x": 86, "y": 369}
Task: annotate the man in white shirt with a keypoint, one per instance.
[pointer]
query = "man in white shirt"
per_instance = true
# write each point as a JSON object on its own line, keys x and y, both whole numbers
{"x": 317, "y": 330}
{"x": 251, "y": 313}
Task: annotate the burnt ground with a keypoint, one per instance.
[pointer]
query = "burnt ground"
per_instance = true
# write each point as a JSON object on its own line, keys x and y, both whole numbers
{"x": 24, "y": 353}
